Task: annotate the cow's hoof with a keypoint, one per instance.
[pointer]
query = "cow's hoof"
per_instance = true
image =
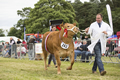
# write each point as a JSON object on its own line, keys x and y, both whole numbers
{"x": 58, "y": 72}
{"x": 69, "y": 68}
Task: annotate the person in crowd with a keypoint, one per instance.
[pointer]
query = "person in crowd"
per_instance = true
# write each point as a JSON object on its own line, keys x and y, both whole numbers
{"x": 85, "y": 52}
{"x": 98, "y": 31}
{"x": 23, "y": 50}
{"x": 30, "y": 47}
{"x": 25, "y": 44}
{"x": 12, "y": 47}
{"x": 51, "y": 56}
{"x": 3, "y": 43}
{"x": 39, "y": 40}
{"x": 6, "y": 49}
{"x": 18, "y": 42}
{"x": 112, "y": 45}
{"x": 119, "y": 56}
{"x": 87, "y": 39}
{"x": 77, "y": 50}
{"x": 18, "y": 50}
{"x": 74, "y": 38}
{"x": 7, "y": 45}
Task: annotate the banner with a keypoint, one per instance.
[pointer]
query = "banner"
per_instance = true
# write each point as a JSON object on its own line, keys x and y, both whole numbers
{"x": 24, "y": 34}
{"x": 38, "y": 48}
{"x": 109, "y": 16}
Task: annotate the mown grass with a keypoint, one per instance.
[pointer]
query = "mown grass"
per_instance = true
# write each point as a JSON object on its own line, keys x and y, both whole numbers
{"x": 16, "y": 69}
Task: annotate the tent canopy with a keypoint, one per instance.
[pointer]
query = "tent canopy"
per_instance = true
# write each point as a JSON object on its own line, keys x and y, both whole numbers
{"x": 112, "y": 37}
{"x": 2, "y": 41}
{"x": 7, "y": 39}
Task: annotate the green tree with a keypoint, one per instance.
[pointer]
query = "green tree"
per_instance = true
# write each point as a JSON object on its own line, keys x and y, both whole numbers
{"x": 46, "y": 10}
{"x": 85, "y": 13}
{"x": 24, "y": 13}
{"x": 115, "y": 13}
{"x": 2, "y": 33}
{"x": 12, "y": 31}
{"x": 95, "y": 1}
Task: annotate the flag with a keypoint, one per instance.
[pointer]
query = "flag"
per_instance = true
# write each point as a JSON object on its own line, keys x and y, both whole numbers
{"x": 109, "y": 15}
{"x": 24, "y": 34}
{"x": 38, "y": 36}
{"x": 50, "y": 28}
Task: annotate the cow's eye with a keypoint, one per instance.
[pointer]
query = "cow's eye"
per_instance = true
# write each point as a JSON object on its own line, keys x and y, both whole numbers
{"x": 67, "y": 26}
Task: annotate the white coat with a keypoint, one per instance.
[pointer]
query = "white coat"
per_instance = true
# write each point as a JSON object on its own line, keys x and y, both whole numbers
{"x": 96, "y": 34}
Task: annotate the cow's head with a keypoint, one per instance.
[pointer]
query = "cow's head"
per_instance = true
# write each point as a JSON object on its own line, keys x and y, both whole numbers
{"x": 71, "y": 28}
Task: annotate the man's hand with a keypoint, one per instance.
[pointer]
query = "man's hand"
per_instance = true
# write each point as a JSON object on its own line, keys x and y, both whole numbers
{"x": 86, "y": 30}
{"x": 105, "y": 32}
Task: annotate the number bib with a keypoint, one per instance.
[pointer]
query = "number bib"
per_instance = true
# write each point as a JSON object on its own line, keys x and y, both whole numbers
{"x": 64, "y": 46}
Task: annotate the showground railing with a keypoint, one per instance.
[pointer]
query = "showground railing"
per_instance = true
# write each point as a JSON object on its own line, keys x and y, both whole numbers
{"x": 34, "y": 52}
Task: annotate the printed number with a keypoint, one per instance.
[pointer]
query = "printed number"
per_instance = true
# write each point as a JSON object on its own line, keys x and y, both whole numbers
{"x": 63, "y": 45}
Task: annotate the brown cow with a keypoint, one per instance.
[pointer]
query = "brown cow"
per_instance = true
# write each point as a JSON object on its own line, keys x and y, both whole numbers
{"x": 53, "y": 44}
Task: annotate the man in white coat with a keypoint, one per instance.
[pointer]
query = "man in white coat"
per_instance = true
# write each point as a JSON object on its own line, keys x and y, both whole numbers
{"x": 98, "y": 31}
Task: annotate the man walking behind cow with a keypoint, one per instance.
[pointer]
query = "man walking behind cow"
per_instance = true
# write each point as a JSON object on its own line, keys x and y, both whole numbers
{"x": 98, "y": 31}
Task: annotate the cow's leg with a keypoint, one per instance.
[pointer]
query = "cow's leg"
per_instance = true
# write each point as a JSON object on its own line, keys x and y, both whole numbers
{"x": 58, "y": 62}
{"x": 45, "y": 58}
{"x": 72, "y": 60}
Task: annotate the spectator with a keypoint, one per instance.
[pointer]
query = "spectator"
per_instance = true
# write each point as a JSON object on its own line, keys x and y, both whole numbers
{"x": 18, "y": 42}
{"x": 30, "y": 47}
{"x": 25, "y": 44}
{"x": 18, "y": 50}
{"x": 6, "y": 47}
{"x": 85, "y": 52}
{"x": 51, "y": 56}
{"x": 3, "y": 43}
{"x": 23, "y": 50}
{"x": 119, "y": 56}
{"x": 112, "y": 45}
{"x": 40, "y": 40}
{"x": 74, "y": 37}
{"x": 88, "y": 40}
{"x": 12, "y": 47}
{"x": 77, "y": 51}
{"x": 6, "y": 53}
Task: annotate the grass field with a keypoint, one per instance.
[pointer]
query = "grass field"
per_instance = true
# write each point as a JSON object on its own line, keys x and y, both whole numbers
{"x": 16, "y": 69}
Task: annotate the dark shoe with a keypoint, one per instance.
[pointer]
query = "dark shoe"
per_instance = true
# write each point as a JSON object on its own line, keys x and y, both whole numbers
{"x": 75, "y": 60}
{"x": 55, "y": 66}
{"x": 87, "y": 61}
{"x": 83, "y": 61}
{"x": 9, "y": 56}
{"x": 48, "y": 65}
{"x": 94, "y": 72}
{"x": 103, "y": 73}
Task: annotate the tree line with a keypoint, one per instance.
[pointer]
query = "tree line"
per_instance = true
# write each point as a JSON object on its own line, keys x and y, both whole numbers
{"x": 37, "y": 18}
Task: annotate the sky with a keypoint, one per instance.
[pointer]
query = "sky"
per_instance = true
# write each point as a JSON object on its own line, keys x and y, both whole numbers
{"x": 8, "y": 11}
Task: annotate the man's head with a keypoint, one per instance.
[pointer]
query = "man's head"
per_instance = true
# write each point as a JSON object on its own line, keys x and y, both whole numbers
{"x": 79, "y": 41}
{"x": 54, "y": 28}
{"x": 18, "y": 39}
{"x": 84, "y": 42}
{"x": 31, "y": 36}
{"x": 11, "y": 38}
{"x": 99, "y": 18}
{"x": 86, "y": 37}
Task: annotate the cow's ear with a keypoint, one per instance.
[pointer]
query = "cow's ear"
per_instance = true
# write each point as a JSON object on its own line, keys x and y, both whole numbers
{"x": 61, "y": 25}
{"x": 74, "y": 24}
